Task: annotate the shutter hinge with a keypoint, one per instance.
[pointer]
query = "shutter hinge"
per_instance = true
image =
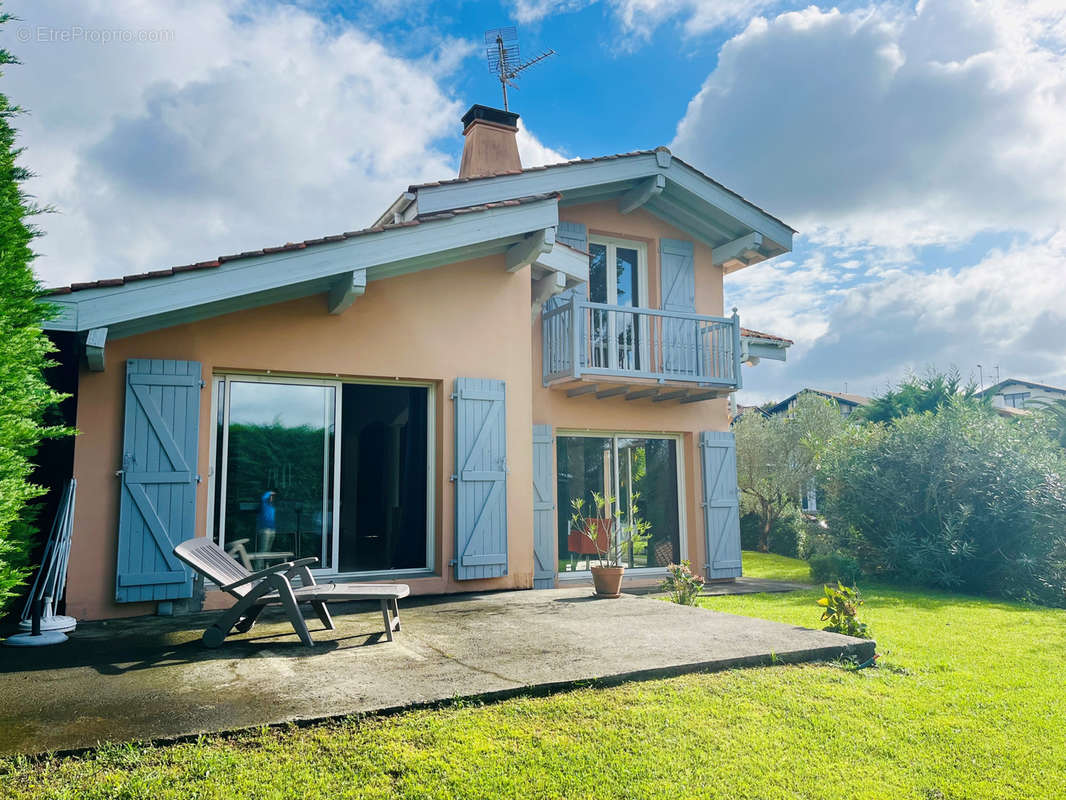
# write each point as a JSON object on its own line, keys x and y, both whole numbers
{"x": 453, "y": 562}
{"x": 453, "y": 396}
{"x": 203, "y": 383}
{"x": 199, "y": 479}
{"x": 453, "y": 477}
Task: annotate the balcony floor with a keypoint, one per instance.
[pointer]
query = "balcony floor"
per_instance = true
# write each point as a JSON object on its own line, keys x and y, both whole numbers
{"x": 644, "y": 390}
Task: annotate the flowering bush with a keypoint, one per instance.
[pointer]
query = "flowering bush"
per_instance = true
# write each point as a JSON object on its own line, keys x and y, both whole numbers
{"x": 840, "y": 607}
{"x": 682, "y": 585}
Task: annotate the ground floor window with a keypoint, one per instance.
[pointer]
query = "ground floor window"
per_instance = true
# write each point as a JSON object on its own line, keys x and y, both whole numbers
{"x": 333, "y": 469}
{"x": 637, "y": 471}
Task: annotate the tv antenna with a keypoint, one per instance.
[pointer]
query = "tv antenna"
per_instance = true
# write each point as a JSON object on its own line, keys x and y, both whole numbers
{"x": 501, "y": 50}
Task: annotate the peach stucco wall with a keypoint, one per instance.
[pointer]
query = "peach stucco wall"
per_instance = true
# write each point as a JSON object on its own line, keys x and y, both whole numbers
{"x": 587, "y": 413}
{"x": 469, "y": 319}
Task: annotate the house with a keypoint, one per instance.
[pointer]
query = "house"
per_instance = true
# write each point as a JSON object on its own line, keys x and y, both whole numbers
{"x": 421, "y": 400}
{"x": 847, "y": 403}
{"x": 1014, "y": 393}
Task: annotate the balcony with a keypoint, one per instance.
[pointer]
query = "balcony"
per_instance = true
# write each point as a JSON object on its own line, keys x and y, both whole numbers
{"x": 642, "y": 353}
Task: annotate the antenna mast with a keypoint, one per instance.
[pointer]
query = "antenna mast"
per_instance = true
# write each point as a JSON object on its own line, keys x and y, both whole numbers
{"x": 501, "y": 50}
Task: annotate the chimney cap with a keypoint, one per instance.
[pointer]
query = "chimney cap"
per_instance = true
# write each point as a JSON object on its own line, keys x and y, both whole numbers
{"x": 500, "y": 117}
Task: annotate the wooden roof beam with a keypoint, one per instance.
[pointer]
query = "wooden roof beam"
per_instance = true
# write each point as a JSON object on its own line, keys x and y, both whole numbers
{"x": 641, "y": 193}
{"x": 349, "y": 286}
{"x": 745, "y": 250}
{"x": 529, "y": 249}
{"x": 95, "y": 342}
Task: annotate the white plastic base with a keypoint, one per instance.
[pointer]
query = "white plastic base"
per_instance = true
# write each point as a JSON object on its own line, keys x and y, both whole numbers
{"x": 52, "y": 623}
{"x": 29, "y": 640}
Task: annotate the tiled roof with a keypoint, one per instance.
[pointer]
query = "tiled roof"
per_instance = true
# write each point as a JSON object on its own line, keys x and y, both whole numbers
{"x": 451, "y": 181}
{"x": 290, "y": 246}
{"x": 571, "y": 247}
{"x": 415, "y": 187}
{"x": 852, "y": 399}
{"x": 760, "y": 335}
{"x": 994, "y": 389}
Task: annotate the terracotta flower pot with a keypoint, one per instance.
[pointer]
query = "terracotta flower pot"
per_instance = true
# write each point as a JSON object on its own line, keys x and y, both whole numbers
{"x": 608, "y": 581}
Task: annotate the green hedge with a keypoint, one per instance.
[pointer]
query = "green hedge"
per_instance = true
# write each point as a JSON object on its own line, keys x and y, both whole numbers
{"x": 788, "y": 535}
{"x": 24, "y": 350}
{"x": 961, "y": 498}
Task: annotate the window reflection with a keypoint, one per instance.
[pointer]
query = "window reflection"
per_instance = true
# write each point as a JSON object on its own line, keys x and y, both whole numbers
{"x": 637, "y": 471}
{"x": 279, "y": 472}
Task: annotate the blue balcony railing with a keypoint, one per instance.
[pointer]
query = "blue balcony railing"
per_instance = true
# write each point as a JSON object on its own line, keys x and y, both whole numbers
{"x": 583, "y": 339}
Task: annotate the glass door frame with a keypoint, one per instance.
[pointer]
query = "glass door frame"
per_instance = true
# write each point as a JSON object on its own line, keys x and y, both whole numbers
{"x": 682, "y": 493}
{"x": 228, "y": 380}
{"x": 228, "y": 376}
{"x": 612, "y": 243}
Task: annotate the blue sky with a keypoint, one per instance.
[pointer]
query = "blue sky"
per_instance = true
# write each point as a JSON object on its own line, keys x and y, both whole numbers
{"x": 919, "y": 147}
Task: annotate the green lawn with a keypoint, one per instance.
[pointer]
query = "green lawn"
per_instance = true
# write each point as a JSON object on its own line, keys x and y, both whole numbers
{"x": 775, "y": 567}
{"x": 968, "y": 703}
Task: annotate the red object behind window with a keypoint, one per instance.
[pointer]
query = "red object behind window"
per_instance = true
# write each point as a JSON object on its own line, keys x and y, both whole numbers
{"x": 577, "y": 542}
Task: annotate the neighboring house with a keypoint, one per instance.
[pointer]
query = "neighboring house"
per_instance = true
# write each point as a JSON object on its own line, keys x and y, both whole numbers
{"x": 847, "y": 403}
{"x": 1015, "y": 393}
{"x": 382, "y": 399}
{"x": 737, "y": 411}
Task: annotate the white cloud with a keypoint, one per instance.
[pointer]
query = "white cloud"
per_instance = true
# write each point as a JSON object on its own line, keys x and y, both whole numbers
{"x": 536, "y": 10}
{"x": 879, "y": 132}
{"x": 532, "y": 152}
{"x": 251, "y": 125}
{"x": 891, "y": 128}
{"x": 638, "y": 19}
{"x": 642, "y": 17}
{"x": 1009, "y": 308}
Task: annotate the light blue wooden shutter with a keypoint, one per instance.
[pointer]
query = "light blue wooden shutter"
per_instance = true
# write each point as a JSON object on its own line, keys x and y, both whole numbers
{"x": 573, "y": 234}
{"x": 157, "y": 508}
{"x": 480, "y": 478}
{"x": 677, "y": 279}
{"x": 721, "y": 504}
{"x": 543, "y": 509}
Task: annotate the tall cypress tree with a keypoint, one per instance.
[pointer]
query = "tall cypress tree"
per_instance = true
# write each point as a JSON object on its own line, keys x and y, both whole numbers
{"x": 24, "y": 354}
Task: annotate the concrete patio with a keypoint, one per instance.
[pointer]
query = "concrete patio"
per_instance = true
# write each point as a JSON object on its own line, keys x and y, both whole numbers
{"x": 150, "y": 678}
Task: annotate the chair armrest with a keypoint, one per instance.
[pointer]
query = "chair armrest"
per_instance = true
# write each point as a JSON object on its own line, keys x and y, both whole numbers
{"x": 300, "y": 570}
{"x": 284, "y": 566}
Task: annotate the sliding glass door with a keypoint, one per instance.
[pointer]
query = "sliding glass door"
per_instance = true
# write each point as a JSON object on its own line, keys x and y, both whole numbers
{"x": 290, "y": 480}
{"x": 634, "y": 472}
{"x": 277, "y": 499}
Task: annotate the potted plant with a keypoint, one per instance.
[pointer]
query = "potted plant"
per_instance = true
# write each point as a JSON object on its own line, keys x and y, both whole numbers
{"x": 611, "y": 536}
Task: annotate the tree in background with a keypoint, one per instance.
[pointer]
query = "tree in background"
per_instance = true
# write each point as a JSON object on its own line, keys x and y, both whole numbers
{"x": 24, "y": 354}
{"x": 914, "y": 395}
{"x": 777, "y": 457}
{"x": 1052, "y": 413}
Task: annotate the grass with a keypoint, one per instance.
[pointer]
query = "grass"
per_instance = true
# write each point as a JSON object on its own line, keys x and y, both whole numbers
{"x": 775, "y": 567}
{"x": 967, "y": 704}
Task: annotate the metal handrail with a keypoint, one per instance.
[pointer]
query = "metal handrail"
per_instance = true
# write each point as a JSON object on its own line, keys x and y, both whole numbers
{"x": 581, "y": 337}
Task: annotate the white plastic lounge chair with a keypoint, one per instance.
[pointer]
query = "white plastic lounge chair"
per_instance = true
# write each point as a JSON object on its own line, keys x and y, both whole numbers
{"x": 239, "y": 552}
{"x": 273, "y": 586}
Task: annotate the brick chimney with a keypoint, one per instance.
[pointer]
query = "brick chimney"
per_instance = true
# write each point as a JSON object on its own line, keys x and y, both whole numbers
{"x": 490, "y": 147}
